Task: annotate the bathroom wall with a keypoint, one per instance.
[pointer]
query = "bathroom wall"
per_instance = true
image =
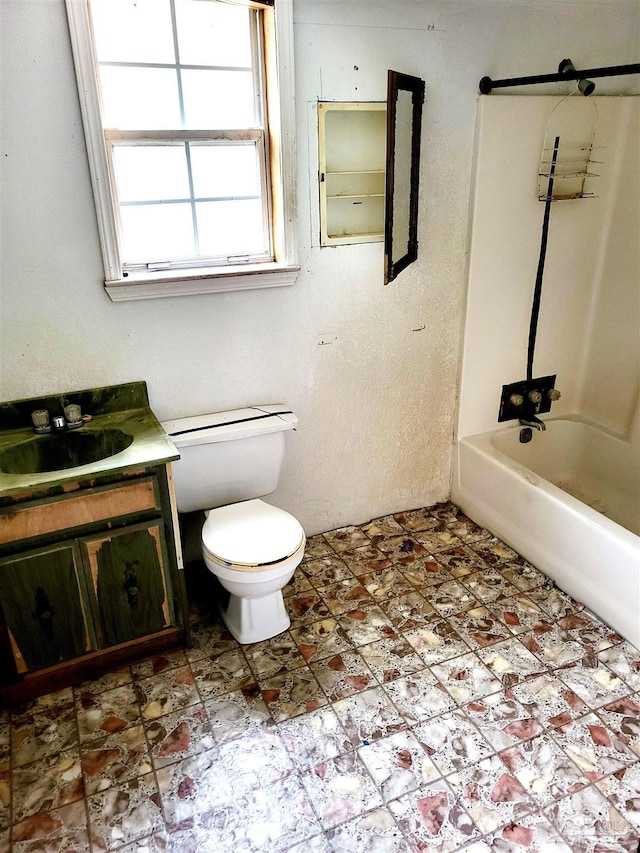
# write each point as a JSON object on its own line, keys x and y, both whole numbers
{"x": 610, "y": 372}
{"x": 590, "y": 309}
{"x": 377, "y": 406}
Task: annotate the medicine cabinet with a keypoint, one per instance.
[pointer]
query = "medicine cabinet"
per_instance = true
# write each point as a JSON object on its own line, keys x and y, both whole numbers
{"x": 369, "y": 165}
{"x": 352, "y": 151}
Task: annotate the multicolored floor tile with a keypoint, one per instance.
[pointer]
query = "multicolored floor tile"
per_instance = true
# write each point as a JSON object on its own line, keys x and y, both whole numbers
{"x": 368, "y": 716}
{"x": 433, "y": 819}
{"x": 343, "y": 675}
{"x": 434, "y": 693}
{"x": 340, "y": 789}
{"x": 236, "y": 714}
{"x": 178, "y": 735}
{"x": 452, "y": 741}
{"x": 591, "y": 823}
{"x": 375, "y": 830}
{"x": 65, "y": 828}
{"x": 289, "y": 694}
{"x": 50, "y": 783}
{"x": 321, "y": 639}
{"x": 408, "y": 610}
{"x": 437, "y": 641}
{"x": 116, "y": 758}
{"x": 492, "y": 795}
{"x": 390, "y": 658}
{"x": 419, "y": 696}
{"x": 466, "y": 678}
{"x": 326, "y": 570}
{"x": 398, "y": 764}
{"x": 125, "y": 813}
{"x": 314, "y": 738}
{"x": 544, "y": 769}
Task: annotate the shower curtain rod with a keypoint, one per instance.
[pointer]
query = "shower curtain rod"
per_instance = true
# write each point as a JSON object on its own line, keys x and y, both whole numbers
{"x": 569, "y": 73}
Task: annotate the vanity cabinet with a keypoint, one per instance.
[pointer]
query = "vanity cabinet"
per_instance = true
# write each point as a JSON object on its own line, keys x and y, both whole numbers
{"x": 88, "y": 573}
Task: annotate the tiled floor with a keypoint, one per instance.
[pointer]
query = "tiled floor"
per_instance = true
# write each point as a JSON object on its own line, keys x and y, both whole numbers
{"x": 434, "y": 693}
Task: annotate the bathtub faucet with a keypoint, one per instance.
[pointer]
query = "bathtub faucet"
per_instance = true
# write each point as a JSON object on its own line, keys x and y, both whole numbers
{"x": 534, "y": 422}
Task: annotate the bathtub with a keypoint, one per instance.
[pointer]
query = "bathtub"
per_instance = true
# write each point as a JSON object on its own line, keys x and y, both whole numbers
{"x": 569, "y": 502}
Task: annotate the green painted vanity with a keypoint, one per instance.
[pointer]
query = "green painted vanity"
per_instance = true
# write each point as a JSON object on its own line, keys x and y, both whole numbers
{"x": 90, "y": 562}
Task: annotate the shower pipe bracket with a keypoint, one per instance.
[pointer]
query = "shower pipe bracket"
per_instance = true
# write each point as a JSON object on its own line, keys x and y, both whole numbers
{"x": 528, "y": 398}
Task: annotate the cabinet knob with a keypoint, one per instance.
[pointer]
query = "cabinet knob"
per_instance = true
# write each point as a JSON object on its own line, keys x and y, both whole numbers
{"x": 44, "y": 611}
{"x": 131, "y": 584}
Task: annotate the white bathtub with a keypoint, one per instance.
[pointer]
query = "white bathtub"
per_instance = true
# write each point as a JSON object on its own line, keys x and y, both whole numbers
{"x": 569, "y": 502}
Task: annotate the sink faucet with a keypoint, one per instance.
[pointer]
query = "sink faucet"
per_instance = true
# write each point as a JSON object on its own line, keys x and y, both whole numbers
{"x": 534, "y": 422}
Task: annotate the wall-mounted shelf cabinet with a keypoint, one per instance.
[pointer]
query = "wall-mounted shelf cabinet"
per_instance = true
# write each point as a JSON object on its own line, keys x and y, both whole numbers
{"x": 352, "y": 155}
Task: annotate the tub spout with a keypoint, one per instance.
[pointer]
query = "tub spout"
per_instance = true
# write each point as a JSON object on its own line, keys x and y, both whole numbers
{"x": 534, "y": 422}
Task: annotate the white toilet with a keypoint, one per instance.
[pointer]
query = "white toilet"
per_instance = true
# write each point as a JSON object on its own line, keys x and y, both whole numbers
{"x": 228, "y": 461}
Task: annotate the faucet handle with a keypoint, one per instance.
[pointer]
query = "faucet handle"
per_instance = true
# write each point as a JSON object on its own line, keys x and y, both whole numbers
{"x": 516, "y": 400}
{"x": 40, "y": 419}
{"x": 535, "y": 396}
{"x": 553, "y": 394}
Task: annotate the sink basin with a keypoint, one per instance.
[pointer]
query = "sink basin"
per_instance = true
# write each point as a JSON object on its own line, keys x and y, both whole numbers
{"x": 57, "y": 451}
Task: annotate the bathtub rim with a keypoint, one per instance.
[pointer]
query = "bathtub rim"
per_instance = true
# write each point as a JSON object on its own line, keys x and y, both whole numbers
{"x": 483, "y": 443}
{"x": 592, "y": 534}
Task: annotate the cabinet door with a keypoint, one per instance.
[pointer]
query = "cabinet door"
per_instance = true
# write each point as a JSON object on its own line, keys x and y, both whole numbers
{"x": 43, "y": 607}
{"x": 130, "y": 582}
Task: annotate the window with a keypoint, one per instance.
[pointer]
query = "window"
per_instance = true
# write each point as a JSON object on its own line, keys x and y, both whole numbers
{"x": 188, "y": 114}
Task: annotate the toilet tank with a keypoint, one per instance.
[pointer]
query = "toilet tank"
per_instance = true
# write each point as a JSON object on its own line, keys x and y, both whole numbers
{"x": 226, "y": 457}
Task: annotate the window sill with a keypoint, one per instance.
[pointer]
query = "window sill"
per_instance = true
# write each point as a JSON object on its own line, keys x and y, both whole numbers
{"x": 156, "y": 285}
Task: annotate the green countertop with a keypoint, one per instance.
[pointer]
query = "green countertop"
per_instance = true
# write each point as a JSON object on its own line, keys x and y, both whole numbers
{"x": 122, "y": 407}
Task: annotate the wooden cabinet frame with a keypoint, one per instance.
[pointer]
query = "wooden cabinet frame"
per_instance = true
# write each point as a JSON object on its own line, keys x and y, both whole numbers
{"x": 107, "y": 544}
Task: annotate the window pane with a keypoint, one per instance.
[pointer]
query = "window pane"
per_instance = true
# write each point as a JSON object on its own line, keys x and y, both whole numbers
{"x": 230, "y": 228}
{"x": 140, "y": 98}
{"x": 150, "y": 172}
{"x": 213, "y": 34}
{"x": 217, "y": 99}
{"x": 225, "y": 170}
{"x": 133, "y": 30}
{"x": 157, "y": 232}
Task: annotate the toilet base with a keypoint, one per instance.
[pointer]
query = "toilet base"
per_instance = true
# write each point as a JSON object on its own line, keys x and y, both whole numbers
{"x": 251, "y": 620}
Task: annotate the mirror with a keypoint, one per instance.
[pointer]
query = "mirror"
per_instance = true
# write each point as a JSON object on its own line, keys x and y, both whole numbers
{"x": 405, "y": 96}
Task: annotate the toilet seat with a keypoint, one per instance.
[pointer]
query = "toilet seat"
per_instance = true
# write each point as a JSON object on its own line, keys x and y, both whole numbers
{"x": 251, "y": 536}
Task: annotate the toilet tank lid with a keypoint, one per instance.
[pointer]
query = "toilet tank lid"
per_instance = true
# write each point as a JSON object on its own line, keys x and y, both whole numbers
{"x": 227, "y": 426}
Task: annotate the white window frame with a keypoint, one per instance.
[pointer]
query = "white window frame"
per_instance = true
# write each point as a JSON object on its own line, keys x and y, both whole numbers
{"x": 150, "y": 284}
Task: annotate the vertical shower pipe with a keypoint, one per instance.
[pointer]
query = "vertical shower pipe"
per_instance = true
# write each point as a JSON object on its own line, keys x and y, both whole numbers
{"x": 537, "y": 293}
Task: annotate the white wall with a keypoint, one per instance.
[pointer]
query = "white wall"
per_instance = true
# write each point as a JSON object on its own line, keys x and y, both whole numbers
{"x": 377, "y": 406}
{"x": 590, "y": 308}
{"x": 610, "y": 379}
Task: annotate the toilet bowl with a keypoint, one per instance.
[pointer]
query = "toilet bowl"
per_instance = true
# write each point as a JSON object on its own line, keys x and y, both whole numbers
{"x": 228, "y": 462}
{"x": 253, "y": 548}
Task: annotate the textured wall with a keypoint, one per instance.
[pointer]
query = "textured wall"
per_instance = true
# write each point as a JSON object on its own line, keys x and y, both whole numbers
{"x": 377, "y": 406}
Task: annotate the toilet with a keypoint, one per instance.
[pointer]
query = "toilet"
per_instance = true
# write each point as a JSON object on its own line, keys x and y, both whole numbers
{"x": 228, "y": 462}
